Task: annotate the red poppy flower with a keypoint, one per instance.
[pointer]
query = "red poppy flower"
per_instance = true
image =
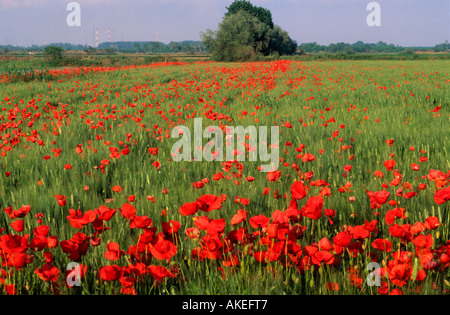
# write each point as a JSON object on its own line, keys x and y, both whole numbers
{"x": 432, "y": 223}
{"x": 400, "y": 231}
{"x": 162, "y": 248}
{"x": 171, "y": 227}
{"x": 378, "y": 174}
{"x": 17, "y": 214}
{"x": 410, "y": 194}
{"x": 415, "y": 167}
{"x": 417, "y": 228}
{"x": 189, "y": 208}
{"x": 10, "y": 289}
{"x": 138, "y": 222}
{"x": 259, "y": 221}
{"x": 157, "y": 165}
{"x": 201, "y": 222}
{"x": 159, "y": 272}
{"x": 331, "y": 286}
{"x": 322, "y": 256}
{"x": 325, "y": 244}
{"x": 153, "y": 151}
{"x": 273, "y": 176}
{"x": 198, "y": 184}
{"x": 209, "y": 203}
{"x": 117, "y": 189}
{"x": 212, "y": 247}
{"x": 17, "y": 225}
{"x": 218, "y": 176}
{"x": 104, "y": 213}
{"x": 325, "y": 191}
{"x": 128, "y": 211}
{"x": 378, "y": 198}
{"x": 390, "y": 142}
{"x": 400, "y": 274}
{"x": 105, "y": 162}
{"x": 382, "y": 245}
{"x": 359, "y": 232}
{"x": 313, "y": 208}
{"x": 396, "y": 292}
{"x": 110, "y": 273}
{"x": 391, "y": 215}
{"x": 216, "y": 227}
{"x": 442, "y": 196}
{"x": 40, "y": 241}
{"x": 48, "y": 272}
{"x": 298, "y": 190}
{"x": 308, "y": 157}
{"x": 239, "y": 217}
{"x": 193, "y": 232}
{"x": 389, "y": 164}
{"x": 78, "y": 220}
{"x": 423, "y": 241}
{"x": 61, "y": 200}
{"x": 113, "y": 251}
{"x": 330, "y": 213}
{"x": 343, "y": 238}
{"x": 76, "y": 247}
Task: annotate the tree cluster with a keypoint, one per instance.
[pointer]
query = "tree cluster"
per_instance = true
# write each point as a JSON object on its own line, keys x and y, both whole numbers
{"x": 245, "y": 33}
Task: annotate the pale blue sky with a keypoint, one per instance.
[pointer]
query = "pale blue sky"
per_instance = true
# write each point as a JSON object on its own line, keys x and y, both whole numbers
{"x": 403, "y": 22}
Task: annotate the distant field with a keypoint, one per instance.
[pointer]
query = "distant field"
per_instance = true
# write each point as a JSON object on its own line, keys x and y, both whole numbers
{"x": 83, "y": 59}
{"x": 89, "y": 180}
{"x": 78, "y": 58}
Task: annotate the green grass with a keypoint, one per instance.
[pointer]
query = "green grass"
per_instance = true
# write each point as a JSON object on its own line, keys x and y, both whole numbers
{"x": 348, "y": 91}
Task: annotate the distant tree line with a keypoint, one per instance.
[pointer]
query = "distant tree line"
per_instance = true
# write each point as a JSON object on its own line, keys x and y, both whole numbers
{"x": 280, "y": 41}
{"x": 154, "y": 47}
{"x": 112, "y": 47}
{"x": 361, "y": 47}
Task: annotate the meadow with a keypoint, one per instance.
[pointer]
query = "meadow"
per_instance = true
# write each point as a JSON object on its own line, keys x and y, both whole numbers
{"x": 358, "y": 205}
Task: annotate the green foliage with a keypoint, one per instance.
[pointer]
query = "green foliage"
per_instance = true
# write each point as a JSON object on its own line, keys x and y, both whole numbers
{"x": 90, "y": 50}
{"x": 442, "y": 47}
{"x": 240, "y": 36}
{"x": 54, "y": 55}
{"x": 360, "y": 47}
{"x": 243, "y": 35}
{"x": 5, "y": 50}
{"x": 281, "y": 43}
{"x": 157, "y": 59}
{"x": 262, "y": 14}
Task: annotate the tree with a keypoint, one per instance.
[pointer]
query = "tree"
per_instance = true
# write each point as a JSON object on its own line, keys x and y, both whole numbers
{"x": 281, "y": 43}
{"x": 174, "y": 46}
{"x": 262, "y": 14}
{"x": 53, "y": 55}
{"x": 90, "y": 50}
{"x": 240, "y": 36}
{"x": 137, "y": 47}
{"x": 5, "y": 50}
{"x": 246, "y": 32}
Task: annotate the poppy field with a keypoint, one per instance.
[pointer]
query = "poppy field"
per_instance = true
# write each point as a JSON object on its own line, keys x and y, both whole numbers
{"x": 93, "y": 202}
